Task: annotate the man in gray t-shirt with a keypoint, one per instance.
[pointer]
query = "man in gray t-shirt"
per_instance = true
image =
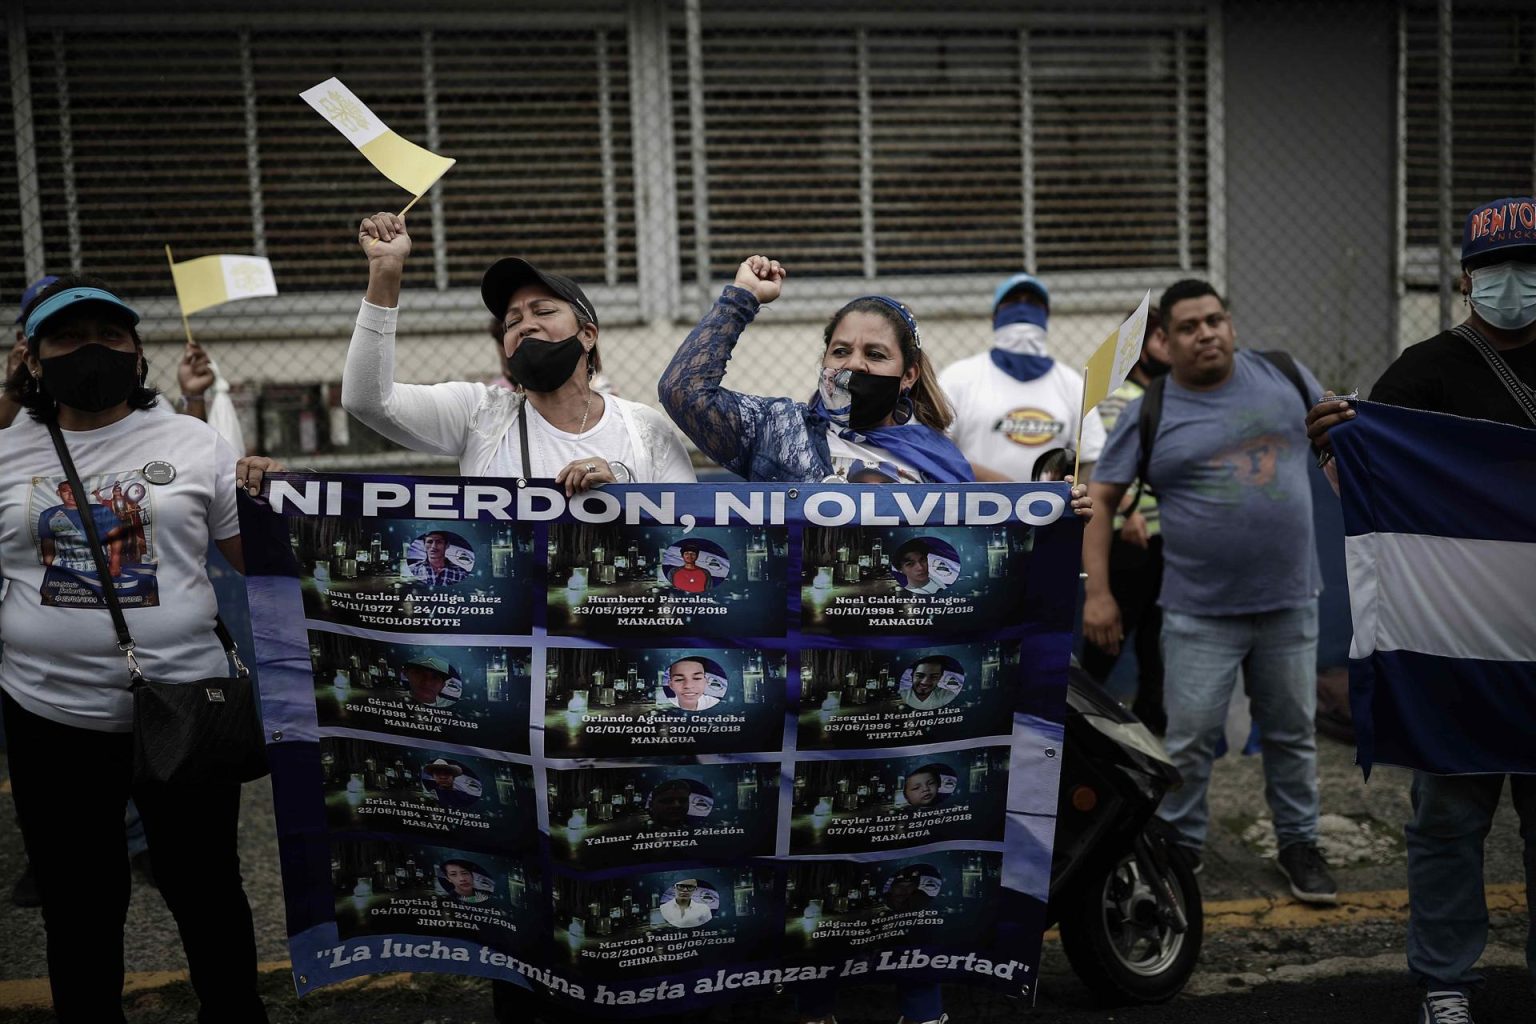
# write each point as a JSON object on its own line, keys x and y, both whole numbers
{"x": 1241, "y": 577}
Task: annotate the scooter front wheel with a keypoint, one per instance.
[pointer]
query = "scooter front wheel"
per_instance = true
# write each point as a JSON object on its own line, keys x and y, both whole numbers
{"x": 1121, "y": 944}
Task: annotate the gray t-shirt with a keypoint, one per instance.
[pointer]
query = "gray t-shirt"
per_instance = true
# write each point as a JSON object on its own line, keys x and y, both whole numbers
{"x": 1230, "y": 470}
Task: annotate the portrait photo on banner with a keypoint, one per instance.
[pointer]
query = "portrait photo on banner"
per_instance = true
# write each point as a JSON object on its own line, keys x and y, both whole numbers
{"x": 418, "y": 575}
{"x": 666, "y": 922}
{"x": 893, "y": 580}
{"x": 656, "y": 813}
{"x": 644, "y": 703}
{"x": 427, "y": 793}
{"x": 855, "y": 806}
{"x": 858, "y": 698}
{"x": 937, "y": 899}
{"x": 477, "y": 696}
{"x": 405, "y": 887}
{"x": 624, "y": 581}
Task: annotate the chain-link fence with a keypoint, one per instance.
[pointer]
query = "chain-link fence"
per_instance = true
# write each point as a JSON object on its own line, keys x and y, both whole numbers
{"x": 1313, "y": 159}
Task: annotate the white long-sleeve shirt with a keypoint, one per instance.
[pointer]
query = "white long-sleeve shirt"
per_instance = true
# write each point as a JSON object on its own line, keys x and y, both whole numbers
{"x": 477, "y": 424}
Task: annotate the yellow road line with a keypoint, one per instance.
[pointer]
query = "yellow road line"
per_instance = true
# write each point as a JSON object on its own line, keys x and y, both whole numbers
{"x": 1390, "y": 904}
{"x": 1220, "y": 915}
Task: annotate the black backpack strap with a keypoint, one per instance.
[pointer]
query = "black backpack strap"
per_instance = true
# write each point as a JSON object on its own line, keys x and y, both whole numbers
{"x": 1146, "y": 427}
{"x": 1283, "y": 362}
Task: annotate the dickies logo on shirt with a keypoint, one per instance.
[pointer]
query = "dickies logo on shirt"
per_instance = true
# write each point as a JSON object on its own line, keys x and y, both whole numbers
{"x": 1030, "y": 427}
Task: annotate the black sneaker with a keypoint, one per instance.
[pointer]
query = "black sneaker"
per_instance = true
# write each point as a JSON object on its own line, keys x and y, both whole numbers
{"x": 24, "y": 893}
{"x": 1307, "y": 872}
{"x": 1191, "y": 855}
{"x": 1447, "y": 1007}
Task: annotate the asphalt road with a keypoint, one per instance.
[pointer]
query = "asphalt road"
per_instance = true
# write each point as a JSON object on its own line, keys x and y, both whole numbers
{"x": 1266, "y": 957}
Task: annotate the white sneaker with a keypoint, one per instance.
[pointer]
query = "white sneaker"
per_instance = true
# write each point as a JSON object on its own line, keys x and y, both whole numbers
{"x": 1448, "y": 1007}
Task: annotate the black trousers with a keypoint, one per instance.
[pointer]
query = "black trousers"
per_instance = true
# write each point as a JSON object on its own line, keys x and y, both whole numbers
{"x": 71, "y": 787}
{"x": 1135, "y": 578}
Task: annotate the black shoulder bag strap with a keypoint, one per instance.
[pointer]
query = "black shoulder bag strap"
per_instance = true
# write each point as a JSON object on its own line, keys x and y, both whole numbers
{"x": 104, "y": 571}
{"x": 1514, "y": 385}
{"x": 522, "y": 440}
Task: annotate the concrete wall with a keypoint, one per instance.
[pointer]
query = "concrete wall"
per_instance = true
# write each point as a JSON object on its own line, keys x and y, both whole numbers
{"x": 1310, "y": 171}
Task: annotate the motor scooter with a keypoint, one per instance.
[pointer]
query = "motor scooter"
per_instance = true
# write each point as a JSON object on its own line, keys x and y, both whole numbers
{"x": 1123, "y": 893}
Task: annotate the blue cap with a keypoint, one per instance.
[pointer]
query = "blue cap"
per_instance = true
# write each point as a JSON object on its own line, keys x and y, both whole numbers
{"x": 1508, "y": 223}
{"x": 31, "y": 293}
{"x": 1021, "y": 281}
{"x": 58, "y": 302}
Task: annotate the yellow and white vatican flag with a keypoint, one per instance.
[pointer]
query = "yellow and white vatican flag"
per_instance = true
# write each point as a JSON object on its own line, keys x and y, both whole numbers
{"x": 1111, "y": 362}
{"x": 401, "y": 161}
{"x": 213, "y": 280}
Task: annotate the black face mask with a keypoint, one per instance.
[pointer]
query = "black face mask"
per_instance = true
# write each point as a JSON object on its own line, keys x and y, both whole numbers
{"x": 871, "y": 397}
{"x": 92, "y": 378}
{"x": 545, "y": 365}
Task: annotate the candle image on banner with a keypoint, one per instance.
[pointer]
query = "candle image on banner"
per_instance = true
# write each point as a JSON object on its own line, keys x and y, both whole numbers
{"x": 881, "y": 698}
{"x": 848, "y": 806}
{"x": 417, "y": 576}
{"x": 666, "y": 922}
{"x": 638, "y": 580}
{"x": 438, "y": 794}
{"x": 386, "y": 888}
{"x": 650, "y": 814}
{"x": 639, "y": 703}
{"x": 477, "y": 696}
{"x": 942, "y": 898}
{"x": 856, "y": 579}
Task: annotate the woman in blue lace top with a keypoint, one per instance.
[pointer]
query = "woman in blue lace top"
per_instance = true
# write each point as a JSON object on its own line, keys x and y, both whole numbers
{"x": 877, "y": 415}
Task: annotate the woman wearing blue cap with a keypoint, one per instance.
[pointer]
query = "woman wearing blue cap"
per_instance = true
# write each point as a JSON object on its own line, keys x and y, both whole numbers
{"x": 877, "y": 415}
{"x": 157, "y": 488}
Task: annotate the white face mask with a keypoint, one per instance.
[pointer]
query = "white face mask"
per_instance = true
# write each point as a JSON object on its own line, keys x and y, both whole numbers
{"x": 1023, "y": 339}
{"x": 1505, "y": 295}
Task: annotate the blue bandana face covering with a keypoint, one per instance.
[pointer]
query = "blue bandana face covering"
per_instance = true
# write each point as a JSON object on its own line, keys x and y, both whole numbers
{"x": 1018, "y": 340}
{"x": 1505, "y": 295}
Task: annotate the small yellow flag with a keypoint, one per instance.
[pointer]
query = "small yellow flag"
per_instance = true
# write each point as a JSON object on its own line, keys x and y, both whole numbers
{"x": 400, "y": 160}
{"x": 212, "y": 280}
{"x": 1111, "y": 362}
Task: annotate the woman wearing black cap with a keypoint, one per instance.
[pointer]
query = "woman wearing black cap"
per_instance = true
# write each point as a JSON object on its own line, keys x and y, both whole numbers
{"x": 557, "y": 427}
{"x": 157, "y": 488}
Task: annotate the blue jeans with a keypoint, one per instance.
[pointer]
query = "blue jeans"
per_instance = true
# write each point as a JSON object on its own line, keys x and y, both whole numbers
{"x": 1447, "y": 907}
{"x": 1278, "y": 654}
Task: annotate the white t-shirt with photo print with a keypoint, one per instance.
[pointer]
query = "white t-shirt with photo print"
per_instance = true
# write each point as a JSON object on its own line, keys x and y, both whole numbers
{"x": 162, "y": 487}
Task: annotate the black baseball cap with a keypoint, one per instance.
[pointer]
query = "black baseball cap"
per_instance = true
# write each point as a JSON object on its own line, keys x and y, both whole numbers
{"x": 508, "y": 275}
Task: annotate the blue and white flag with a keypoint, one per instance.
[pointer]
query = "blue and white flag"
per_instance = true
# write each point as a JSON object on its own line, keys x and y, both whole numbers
{"x": 1440, "y": 541}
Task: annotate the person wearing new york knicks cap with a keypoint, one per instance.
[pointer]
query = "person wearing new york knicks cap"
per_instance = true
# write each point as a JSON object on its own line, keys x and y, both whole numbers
{"x": 1472, "y": 370}
{"x": 555, "y": 426}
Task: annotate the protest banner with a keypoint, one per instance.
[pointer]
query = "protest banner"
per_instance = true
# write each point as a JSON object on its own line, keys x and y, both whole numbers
{"x": 657, "y": 747}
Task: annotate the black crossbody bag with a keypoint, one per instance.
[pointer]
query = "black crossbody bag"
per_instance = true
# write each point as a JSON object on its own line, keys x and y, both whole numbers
{"x": 208, "y": 731}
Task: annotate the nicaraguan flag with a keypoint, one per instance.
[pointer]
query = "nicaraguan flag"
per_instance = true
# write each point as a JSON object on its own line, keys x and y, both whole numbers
{"x": 1440, "y": 544}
